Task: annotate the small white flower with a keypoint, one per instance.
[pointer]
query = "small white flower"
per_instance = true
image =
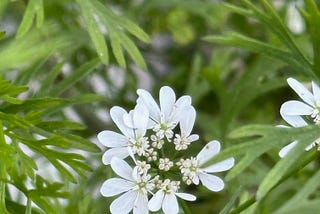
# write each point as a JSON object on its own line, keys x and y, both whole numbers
{"x": 165, "y": 164}
{"x": 134, "y": 187}
{"x": 293, "y": 111}
{"x": 142, "y": 167}
{"x": 186, "y": 124}
{"x": 164, "y": 119}
{"x": 133, "y": 126}
{"x": 166, "y": 198}
{"x": 192, "y": 169}
{"x": 296, "y": 113}
{"x": 157, "y": 142}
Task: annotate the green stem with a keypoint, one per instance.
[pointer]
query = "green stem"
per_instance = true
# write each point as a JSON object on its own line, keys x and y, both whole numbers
{"x": 185, "y": 207}
{"x": 29, "y": 207}
{"x": 244, "y": 206}
{"x": 3, "y": 174}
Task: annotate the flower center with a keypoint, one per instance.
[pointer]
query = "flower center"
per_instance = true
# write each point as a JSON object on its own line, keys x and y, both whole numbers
{"x": 316, "y": 116}
{"x": 139, "y": 146}
{"x": 189, "y": 169}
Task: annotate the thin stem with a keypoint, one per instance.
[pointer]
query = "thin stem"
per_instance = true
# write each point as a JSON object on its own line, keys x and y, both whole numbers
{"x": 185, "y": 207}
{"x": 29, "y": 207}
{"x": 244, "y": 206}
{"x": 3, "y": 173}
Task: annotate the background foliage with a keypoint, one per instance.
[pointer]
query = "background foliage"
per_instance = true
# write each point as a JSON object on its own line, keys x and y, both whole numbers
{"x": 64, "y": 63}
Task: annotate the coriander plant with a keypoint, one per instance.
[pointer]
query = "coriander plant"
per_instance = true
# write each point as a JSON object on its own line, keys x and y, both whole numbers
{"x": 148, "y": 106}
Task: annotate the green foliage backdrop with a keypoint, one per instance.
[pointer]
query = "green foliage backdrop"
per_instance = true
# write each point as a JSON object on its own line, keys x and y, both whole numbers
{"x": 65, "y": 63}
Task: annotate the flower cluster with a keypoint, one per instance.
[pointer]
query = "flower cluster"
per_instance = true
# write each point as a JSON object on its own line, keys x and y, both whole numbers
{"x": 149, "y": 155}
{"x": 299, "y": 114}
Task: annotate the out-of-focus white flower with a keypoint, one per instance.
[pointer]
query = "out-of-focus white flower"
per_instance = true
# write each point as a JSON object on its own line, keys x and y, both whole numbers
{"x": 166, "y": 197}
{"x": 133, "y": 126}
{"x": 193, "y": 171}
{"x": 186, "y": 124}
{"x": 297, "y": 113}
{"x": 165, "y": 118}
{"x": 135, "y": 188}
{"x": 294, "y": 19}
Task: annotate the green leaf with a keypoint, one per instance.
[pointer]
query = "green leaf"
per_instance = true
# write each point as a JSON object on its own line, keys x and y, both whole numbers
{"x": 94, "y": 30}
{"x": 260, "y": 139}
{"x": 241, "y": 41}
{"x": 302, "y": 195}
{"x": 60, "y": 125}
{"x": 7, "y": 89}
{"x": 80, "y": 143}
{"x": 116, "y": 26}
{"x": 309, "y": 207}
{"x": 312, "y": 16}
{"x": 74, "y": 77}
{"x": 36, "y": 105}
{"x": 278, "y": 171}
{"x": 34, "y": 8}
{"x": 231, "y": 202}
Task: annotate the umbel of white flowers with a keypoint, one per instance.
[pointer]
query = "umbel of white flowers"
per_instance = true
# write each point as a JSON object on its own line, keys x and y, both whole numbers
{"x": 299, "y": 114}
{"x": 153, "y": 139}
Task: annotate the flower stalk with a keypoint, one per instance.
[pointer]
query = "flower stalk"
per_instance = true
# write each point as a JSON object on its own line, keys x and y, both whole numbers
{"x": 3, "y": 208}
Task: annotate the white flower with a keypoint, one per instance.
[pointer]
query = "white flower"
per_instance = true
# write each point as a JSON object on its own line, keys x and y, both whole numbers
{"x": 165, "y": 164}
{"x": 166, "y": 198}
{"x": 293, "y": 111}
{"x": 135, "y": 188}
{"x": 296, "y": 113}
{"x": 165, "y": 118}
{"x": 193, "y": 171}
{"x": 183, "y": 140}
{"x": 133, "y": 126}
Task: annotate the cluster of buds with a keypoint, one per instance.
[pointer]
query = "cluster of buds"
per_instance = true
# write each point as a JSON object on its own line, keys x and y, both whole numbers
{"x": 153, "y": 139}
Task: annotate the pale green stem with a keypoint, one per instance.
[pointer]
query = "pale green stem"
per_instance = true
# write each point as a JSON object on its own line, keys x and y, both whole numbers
{"x": 29, "y": 207}
{"x": 3, "y": 174}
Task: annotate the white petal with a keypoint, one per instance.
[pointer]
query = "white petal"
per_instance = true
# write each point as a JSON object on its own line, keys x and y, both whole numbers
{"x": 116, "y": 114}
{"x": 316, "y": 93}
{"x": 141, "y": 204}
{"x": 187, "y": 121}
{"x": 112, "y": 139}
{"x": 182, "y": 103}
{"x": 121, "y": 168}
{"x": 193, "y": 137}
{"x": 301, "y": 90}
{"x": 124, "y": 204}
{"x": 128, "y": 119}
{"x": 115, "y": 186}
{"x": 208, "y": 151}
{"x": 137, "y": 119}
{"x": 294, "y": 107}
{"x": 212, "y": 182}
{"x": 285, "y": 150}
{"x": 146, "y": 99}
{"x": 170, "y": 204}
{"x": 221, "y": 166}
{"x": 195, "y": 180}
{"x": 156, "y": 201}
{"x": 167, "y": 99}
{"x": 186, "y": 196}
{"x": 295, "y": 121}
{"x": 310, "y": 146}
{"x": 120, "y": 152}
{"x": 140, "y": 119}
